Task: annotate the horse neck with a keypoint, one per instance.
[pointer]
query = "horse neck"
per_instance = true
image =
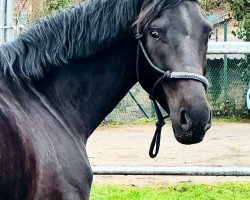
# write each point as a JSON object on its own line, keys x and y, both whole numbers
{"x": 85, "y": 91}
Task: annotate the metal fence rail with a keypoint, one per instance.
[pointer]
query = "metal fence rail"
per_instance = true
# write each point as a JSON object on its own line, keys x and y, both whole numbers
{"x": 170, "y": 171}
{"x": 228, "y": 48}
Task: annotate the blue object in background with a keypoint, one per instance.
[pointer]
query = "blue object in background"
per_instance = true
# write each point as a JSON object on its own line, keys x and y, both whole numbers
{"x": 248, "y": 99}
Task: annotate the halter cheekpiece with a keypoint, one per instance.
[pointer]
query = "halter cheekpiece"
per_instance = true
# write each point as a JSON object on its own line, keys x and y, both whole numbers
{"x": 165, "y": 76}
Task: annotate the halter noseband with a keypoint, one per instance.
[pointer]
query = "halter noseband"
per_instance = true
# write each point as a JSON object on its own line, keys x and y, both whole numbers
{"x": 166, "y": 75}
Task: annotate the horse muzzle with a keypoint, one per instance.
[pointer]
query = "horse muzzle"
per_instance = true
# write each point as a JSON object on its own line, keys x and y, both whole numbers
{"x": 192, "y": 126}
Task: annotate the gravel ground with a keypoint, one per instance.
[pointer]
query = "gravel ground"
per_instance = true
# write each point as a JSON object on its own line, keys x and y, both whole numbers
{"x": 225, "y": 145}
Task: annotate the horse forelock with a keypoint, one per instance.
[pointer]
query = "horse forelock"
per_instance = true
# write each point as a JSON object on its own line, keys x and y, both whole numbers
{"x": 76, "y": 32}
{"x": 151, "y": 9}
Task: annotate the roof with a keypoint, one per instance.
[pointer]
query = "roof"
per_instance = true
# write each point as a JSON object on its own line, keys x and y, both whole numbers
{"x": 219, "y": 18}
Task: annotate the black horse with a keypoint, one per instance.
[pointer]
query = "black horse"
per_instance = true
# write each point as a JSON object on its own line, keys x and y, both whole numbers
{"x": 61, "y": 77}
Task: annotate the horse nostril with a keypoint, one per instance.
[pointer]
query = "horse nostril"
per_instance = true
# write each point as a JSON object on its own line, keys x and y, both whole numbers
{"x": 184, "y": 120}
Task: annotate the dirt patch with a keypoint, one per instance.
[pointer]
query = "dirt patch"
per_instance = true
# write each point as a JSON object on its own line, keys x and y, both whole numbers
{"x": 225, "y": 145}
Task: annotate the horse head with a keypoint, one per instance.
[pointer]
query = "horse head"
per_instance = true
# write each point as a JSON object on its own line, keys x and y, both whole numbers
{"x": 175, "y": 41}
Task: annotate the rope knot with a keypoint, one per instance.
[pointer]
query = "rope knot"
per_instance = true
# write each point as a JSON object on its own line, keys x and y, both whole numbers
{"x": 160, "y": 123}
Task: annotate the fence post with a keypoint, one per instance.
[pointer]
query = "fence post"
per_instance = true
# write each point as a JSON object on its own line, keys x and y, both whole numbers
{"x": 138, "y": 104}
{"x": 6, "y": 20}
{"x": 153, "y": 114}
{"x": 225, "y": 67}
{"x": 216, "y": 35}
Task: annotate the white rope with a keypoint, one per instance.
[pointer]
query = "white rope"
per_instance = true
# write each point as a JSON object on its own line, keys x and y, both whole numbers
{"x": 190, "y": 75}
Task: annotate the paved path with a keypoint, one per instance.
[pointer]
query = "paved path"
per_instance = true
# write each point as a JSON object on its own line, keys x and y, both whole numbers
{"x": 225, "y": 144}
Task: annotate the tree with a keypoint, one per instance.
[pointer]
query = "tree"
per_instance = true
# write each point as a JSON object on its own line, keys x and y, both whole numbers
{"x": 241, "y": 12}
{"x": 41, "y": 8}
{"x": 210, "y": 5}
{"x": 53, "y": 5}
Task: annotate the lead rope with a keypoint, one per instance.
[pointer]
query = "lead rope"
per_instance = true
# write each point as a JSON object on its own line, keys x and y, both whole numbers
{"x": 155, "y": 143}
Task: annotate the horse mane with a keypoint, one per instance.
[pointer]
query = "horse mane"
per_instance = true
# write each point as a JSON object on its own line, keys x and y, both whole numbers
{"x": 76, "y": 32}
{"x": 151, "y": 9}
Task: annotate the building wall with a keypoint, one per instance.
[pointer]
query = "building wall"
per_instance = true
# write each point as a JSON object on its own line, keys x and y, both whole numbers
{"x": 220, "y": 31}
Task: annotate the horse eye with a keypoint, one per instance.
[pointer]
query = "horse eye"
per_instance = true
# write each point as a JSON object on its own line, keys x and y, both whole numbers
{"x": 155, "y": 35}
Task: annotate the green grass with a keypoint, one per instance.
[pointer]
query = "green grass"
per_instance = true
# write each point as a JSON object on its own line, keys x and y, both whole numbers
{"x": 232, "y": 119}
{"x": 224, "y": 191}
{"x": 148, "y": 121}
